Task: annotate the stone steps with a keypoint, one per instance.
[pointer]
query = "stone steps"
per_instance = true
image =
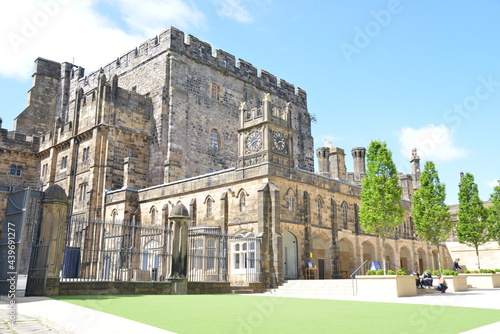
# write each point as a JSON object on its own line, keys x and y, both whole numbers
{"x": 337, "y": 287}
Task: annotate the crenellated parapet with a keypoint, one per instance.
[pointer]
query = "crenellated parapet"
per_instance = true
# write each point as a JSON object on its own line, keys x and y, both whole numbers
{"x": 174, "y": 40}
{"x": 15, "y": 141}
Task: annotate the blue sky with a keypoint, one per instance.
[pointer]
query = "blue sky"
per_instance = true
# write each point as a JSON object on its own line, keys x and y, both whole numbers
{"x": 422, "y": 74}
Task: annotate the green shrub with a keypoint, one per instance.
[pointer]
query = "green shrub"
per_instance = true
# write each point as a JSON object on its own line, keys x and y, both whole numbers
{"x": 435, "y": 272}
{"x": 370, "y": 272}
{"x": 450, "y": 272}
{"x": 475, "y": 271}
{"x": 391, "y": 272}
{"x": 487, "y": 271}
{"x": 497, "y": 270}
{"x": 401, "y": 272}
{"x": 380, "y": 272}
{"x": 467, "y": 271}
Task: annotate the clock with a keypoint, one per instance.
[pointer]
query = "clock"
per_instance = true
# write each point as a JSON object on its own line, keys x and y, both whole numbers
{"x": 279, "y": 141}
{"x": 254, "y": 141}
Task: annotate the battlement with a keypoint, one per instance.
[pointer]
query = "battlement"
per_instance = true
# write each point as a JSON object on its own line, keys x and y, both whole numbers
{"x": 16, "y": 141}
{"x": 174, "y": 39}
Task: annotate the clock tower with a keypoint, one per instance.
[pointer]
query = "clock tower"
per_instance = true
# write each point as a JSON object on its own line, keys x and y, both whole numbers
{"x": 265, "y": 134}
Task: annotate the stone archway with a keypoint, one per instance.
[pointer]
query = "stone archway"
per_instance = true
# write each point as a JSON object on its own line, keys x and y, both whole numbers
{"x": 435, "y": 261}
{"x": 421, "y": 260}
{"x": 368, "y": 251}
{"x": 405, "y": 258}
{"x": 346, "y": 258}
{"x": 321, "y": 256}
{"x": 389, "y": 254}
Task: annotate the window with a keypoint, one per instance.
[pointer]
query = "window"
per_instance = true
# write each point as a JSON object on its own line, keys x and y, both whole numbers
{"x": 16, "y": 170}
{"x": 153, "y": 215}
{"x": 344, "y": 215}
{"x": 211, "y": 254}
{"x": 242, "y": 202}
{"x": 258, "y": 112}
{"x": 198, "y": 254}
{"x": 45, "y": 169}
{"x": 83, "y": 192}
{"x": 85, "y": 155}
{"x": 64, "y": 162}
{"x": 289, "y": 200}
{"x": 214, "y": 139}
{"x": 249, "y": 114}
{"x": 214, "y": 91}
{"x": 209, "y": 207}
{"x": 319, "y": 206}
{"x": 244, "y": 251}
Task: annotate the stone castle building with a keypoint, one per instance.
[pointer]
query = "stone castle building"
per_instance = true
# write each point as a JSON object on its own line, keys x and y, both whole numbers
{"x": 173, "y": 121}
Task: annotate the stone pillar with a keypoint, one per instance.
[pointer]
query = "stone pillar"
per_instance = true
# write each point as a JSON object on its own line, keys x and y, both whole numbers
{"x": 128, "y": 172}
{"x": 52, "y": 233}
{"x": 269, "y": 227}
{"x": 179, "y": 220}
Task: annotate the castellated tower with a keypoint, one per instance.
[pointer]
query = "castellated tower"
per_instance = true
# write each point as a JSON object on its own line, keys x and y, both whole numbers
{"x": 415, "y": 168}
{"x": 358, "y": 155}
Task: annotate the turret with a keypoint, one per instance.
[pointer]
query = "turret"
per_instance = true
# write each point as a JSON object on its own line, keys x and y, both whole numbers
{"x": 322, "y": 154}
{"x": 415, "y": 168}
{"x": 358, "y": 155}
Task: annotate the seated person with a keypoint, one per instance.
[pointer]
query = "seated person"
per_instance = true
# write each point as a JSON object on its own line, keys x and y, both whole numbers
{"x": 417, "y": 278}
{"x": 427, "y": 280}
{"x": 442, "y": 286}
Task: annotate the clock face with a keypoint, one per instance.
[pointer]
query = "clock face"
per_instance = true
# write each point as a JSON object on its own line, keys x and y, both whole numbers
{"x": 254, "y": 141}
{"x": 279, "y": 141}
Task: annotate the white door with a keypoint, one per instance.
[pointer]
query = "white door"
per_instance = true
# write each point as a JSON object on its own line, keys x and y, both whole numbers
{"x": 290, "y": 255}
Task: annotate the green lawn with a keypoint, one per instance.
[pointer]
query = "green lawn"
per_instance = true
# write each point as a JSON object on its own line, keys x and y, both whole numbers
{"x": 235, "y": 314}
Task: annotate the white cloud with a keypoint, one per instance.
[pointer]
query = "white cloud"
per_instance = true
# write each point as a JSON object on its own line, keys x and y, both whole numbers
{"x": 233, "y": 9}
{"x": 152, "y": 16}
{"x": 433, "y": 142}
{"x": 63, "y": 30}
{"x": 492, "y": 183}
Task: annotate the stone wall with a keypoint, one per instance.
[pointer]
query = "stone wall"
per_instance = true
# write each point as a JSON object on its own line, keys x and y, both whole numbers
{"x": 112, "y": 288}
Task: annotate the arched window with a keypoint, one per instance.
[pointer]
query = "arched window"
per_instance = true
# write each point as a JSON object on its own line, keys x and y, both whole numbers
{"x": 114, "y": 215}
{"x": 214, "y": 140}
{"x": 319, "y": 208}
{"x": 242, "y": 202}
{"x": 153, "y": 215}
{"x": 290, "y": 200}
{"x": 209, "y": 207}
{"x": 344, "y": 215}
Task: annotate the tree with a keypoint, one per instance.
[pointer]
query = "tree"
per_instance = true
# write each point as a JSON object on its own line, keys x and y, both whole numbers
{"x": 381, "y": 210}
{"x": 430, "y": 213}
{"x": 494, "y": 214}
{"x": 472, "y": 227}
